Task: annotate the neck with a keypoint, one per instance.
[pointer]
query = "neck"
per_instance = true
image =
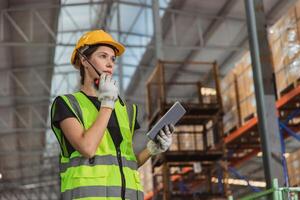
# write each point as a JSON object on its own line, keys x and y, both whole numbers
{"x": 88, "y": 89}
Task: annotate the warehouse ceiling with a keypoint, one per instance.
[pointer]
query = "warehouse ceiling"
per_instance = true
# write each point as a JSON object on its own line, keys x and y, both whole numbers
{"x": 37, "y": 38}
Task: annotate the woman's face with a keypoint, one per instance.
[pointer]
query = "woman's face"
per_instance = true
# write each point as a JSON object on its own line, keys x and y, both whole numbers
{"x": 103, "y": 60}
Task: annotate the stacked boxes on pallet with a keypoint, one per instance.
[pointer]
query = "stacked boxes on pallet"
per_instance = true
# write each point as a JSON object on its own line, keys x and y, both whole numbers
{"x": 285, "y": 46}
{"x": 245, "y": 85}
{"x": 293, "y": 165}
{"x": 284, "y": 40}
{"x": 238, "y": 90}
{"x": 230, "y": 117}
{"x": 190, "y": 138}
{"x": 186, "y": 140}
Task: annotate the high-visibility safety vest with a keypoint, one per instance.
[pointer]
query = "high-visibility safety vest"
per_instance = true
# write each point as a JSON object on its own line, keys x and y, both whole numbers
{"x": 110, "y": 175}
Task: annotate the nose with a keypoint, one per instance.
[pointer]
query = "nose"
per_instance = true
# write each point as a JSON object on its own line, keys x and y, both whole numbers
{"x": 109, "y": 64}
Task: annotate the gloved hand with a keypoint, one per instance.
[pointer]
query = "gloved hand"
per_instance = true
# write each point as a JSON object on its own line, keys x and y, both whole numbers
{"x": 108, "y": 91}
{"x": 164, "y": 140}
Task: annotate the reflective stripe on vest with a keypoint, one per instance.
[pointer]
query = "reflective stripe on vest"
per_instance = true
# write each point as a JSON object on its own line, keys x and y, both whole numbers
{"x": 98, "y": 160}
{"x": 101, "y": 191}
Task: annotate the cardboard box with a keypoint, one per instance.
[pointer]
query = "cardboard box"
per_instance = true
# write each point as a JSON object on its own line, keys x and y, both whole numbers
{"x": 242, "y": 64}
{"x": 293, "y": 165}
{"x": 286, "y": 49}
{"x": 174, "y": 146}
{"x": 230, "y": 121}
{"x": 278, "y": 55}
{"x": 187, "y": 142}
{"x": 187, "y": 138}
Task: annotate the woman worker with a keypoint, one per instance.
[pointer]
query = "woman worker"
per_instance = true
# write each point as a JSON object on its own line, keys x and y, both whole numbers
{"x": 95, "y": 128}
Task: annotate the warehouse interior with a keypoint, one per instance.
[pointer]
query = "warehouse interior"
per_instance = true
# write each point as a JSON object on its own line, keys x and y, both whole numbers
{"x": 234, "y": 65}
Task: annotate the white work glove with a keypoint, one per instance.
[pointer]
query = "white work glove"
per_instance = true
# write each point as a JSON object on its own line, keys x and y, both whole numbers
{"x": 164, "y": 140}
{"x": 108, "y": 91}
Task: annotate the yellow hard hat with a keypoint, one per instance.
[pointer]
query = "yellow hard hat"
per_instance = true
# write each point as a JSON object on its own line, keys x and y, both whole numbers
{"x": 97, "y": 37}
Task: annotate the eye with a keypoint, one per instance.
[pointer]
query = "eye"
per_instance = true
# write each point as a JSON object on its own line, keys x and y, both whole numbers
{"x": 103, "y": 56}
{"x": 113, "y": 59}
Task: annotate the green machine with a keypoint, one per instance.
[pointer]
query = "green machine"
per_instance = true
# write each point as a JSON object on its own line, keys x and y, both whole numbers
{"x": 278, "y": 193}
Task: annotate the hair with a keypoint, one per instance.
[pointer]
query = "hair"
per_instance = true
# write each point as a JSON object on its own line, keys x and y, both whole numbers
{"x": 88, "y": 53}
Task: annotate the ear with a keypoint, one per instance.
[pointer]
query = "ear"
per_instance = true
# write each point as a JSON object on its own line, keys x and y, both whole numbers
{"x": 83, "y": 61}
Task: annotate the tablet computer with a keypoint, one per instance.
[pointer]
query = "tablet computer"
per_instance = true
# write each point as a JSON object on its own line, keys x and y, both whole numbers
{"x": 172, "y": 116}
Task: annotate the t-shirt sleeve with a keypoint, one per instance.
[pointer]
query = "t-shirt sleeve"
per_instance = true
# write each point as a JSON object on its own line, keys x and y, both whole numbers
{"x": 137, "y": 124}
{"x": 62, "y": 111}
